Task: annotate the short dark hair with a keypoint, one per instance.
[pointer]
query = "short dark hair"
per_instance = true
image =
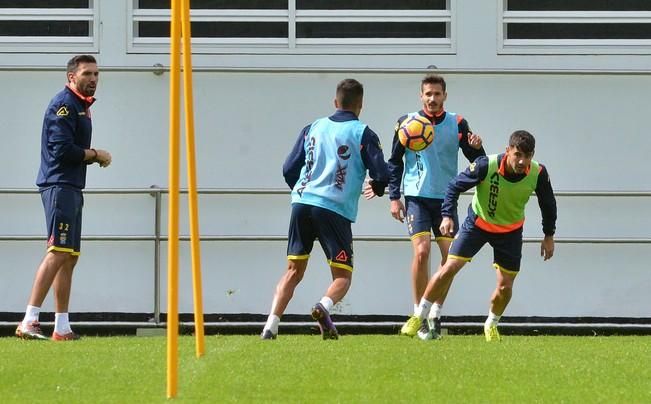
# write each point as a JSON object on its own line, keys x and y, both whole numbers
{"x": 349, "y": 93}
{"x": 73, "y": 63}
{"x": 523, "y": 141}
{"x": 433, "y": 79}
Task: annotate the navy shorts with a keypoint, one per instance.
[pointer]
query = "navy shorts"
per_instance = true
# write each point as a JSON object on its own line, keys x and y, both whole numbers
{"x": 334, "y": 232}
{"x": 63, "y": 207}
{"x": 424, "y": 215}
{"x": 507, "y": 247}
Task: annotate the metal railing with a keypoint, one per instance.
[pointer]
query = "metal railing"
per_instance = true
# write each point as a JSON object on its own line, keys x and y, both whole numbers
{"x": 157, "y": 237}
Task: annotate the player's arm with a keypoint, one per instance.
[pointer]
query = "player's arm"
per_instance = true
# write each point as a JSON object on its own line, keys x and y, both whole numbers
{"x": 373, "y": 159}
{"x": 470, "y": 143}
{"x": 396, "y": 169}
{"x": 102, "y": 157}
{"x": 296, "y": 159}
{"x": 90, "y": 156}
{"x": 396, "y": 164}
{"x": 547, "y": 204}
{"x": 61, "y": 129}
{"x": 470, "y": 177}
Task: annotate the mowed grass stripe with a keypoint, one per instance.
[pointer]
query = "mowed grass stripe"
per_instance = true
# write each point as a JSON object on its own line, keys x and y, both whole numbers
{"x": 356, "y": 368}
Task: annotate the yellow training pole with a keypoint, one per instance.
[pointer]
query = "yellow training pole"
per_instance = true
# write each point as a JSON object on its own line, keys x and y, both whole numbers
{"x": 173, "y": 216}
{"x": 192, "y": 179}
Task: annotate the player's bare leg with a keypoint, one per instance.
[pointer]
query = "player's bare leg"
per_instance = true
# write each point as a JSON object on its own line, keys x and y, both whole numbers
{"x": 287, "y": 284}
{"x": 47, "y": 271}
{"x": 499, "y": 300}
{"x": 503, "y": 292}
{"x": 61, "y": 286}
{"x": 438, "y": 285}
{"x": 284, "y": 293}
{"x": 341, "y": 280}
{"x": 431, "y": 329}
{"x": 420, "y": 265}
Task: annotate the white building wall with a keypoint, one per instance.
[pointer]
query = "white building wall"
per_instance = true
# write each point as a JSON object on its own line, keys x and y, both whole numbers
{"x": 587, "y": 113}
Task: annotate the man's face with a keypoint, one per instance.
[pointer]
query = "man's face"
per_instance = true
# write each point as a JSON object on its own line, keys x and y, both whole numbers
{"x": 85, "y": 79}
{"x": 517, "y": 161}
{"x": 433, "y": 97}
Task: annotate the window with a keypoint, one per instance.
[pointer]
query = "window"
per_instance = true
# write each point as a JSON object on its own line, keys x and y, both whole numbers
{"x": 48, "y": 25}
{"x": 576, "y": 26}
{"x": 300, "y": 26}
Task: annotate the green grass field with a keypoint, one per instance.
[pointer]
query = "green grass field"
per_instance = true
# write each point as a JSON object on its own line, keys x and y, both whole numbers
{"x": 354, "y": 369}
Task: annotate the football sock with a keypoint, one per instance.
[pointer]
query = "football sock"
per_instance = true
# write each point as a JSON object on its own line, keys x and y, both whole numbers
{"x": 272, "y": 323}
{"x": 492, "y": 319}
{"x": 327, "y": 303}
{"x": 435, "y": 312}
{"x": 415, "y": 307}
{"x": 61, "y": 324}
{"x": 423, "y": 309}
{"x": 31, "y": 314}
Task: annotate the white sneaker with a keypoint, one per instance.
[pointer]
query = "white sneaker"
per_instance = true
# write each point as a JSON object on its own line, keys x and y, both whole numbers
{"x": 431, "y": 329}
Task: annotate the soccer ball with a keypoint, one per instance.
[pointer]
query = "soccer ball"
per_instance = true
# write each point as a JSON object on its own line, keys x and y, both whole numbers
{"x": 416, "y": 133}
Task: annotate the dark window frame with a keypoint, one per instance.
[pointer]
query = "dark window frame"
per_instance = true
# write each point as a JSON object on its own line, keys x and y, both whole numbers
{"x": 600, "y": 27}
{"x": 360, "y": 23}
{"x": 33, "y": 28}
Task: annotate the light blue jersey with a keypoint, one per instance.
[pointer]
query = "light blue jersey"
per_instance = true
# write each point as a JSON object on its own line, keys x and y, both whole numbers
{"x": 428, "y": 172}
{"x": 334, "y": 172}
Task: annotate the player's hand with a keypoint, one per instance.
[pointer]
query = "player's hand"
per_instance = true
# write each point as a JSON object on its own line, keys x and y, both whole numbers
{"x": 447, "y": 226}
{"x": 103, "y": 158}
{"x": 367, "y": 190}
{"x": 547, "y": 247}
{"x": 474, "y": 140}
{"x": 398, "y": 210}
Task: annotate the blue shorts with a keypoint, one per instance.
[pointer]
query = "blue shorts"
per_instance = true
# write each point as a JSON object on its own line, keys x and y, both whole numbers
{"x": 424, "y": 215}
{"x": 507, "y": 247}
{"x": 63, "y": 207}
{"x": 334, "y": 232}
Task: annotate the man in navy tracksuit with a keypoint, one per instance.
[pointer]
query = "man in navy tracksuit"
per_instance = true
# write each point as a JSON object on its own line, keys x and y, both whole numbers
{"x": 65, "y": 153}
